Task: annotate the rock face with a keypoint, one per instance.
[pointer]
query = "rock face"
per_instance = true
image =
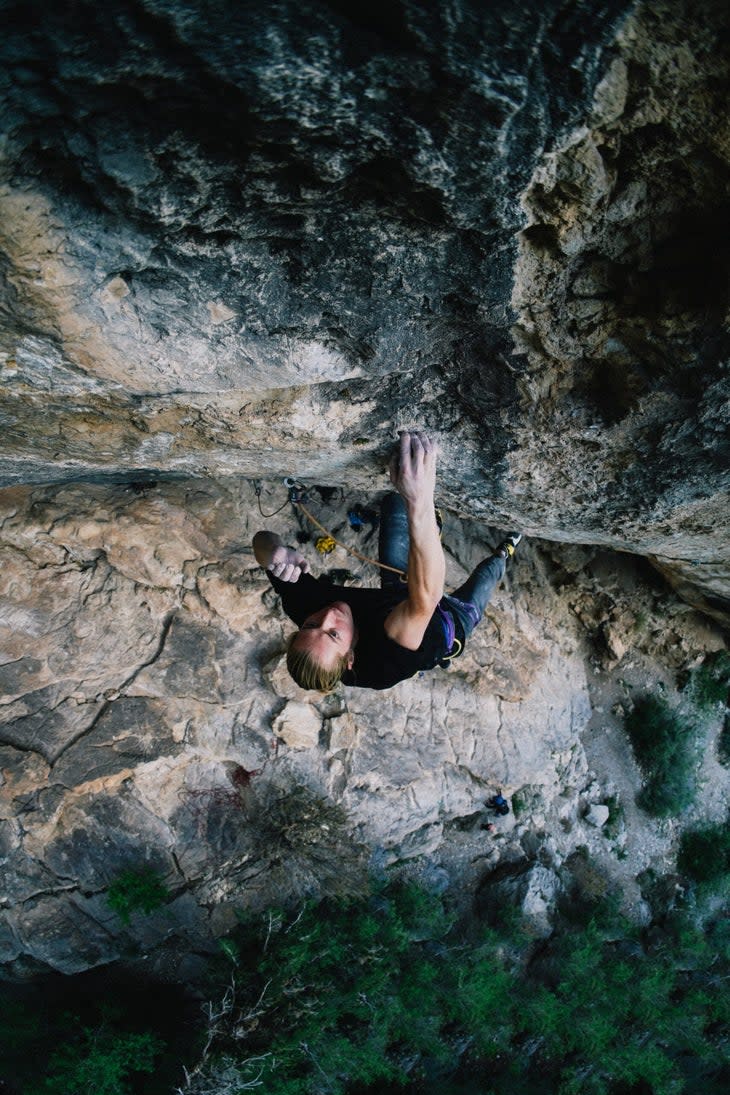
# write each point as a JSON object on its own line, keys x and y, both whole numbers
{"x": 153, "y": 724}
{"x": 250, "y": 241}
{"x": 240, "y": 242}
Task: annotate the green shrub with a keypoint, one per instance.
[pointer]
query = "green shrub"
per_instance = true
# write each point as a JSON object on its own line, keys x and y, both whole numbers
{"x": 666, "y": 748}
{"x": 723, "y": 743}
{"x": 95, "y": 1049}
{"x": 20, "y": 1030}
{"x": 101, "y": 1063}
{"x": 136, "y": 891}
{"x": 384, "y": 992}
{"x": 526, "y": 800}
{"x": 704, "y": 854}
{"x": 709, "y": 684}
{"x": 616, "y": 818}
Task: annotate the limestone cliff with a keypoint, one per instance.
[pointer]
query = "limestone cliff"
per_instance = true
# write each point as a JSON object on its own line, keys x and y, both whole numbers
{"x": 240, "y": 242}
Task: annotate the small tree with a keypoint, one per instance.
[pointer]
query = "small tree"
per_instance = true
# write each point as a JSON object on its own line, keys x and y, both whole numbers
{"x": 102, "y": 1062}
{"x": 665, "y": 745}
{"x": 136, "y": 891}
{"x": 704, "y": 854}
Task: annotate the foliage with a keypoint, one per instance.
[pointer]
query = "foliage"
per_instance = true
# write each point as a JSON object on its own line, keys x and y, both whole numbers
{"x": 616, "y": 818}
{"x": 704, "y": 854}
{"x": 101, "y": 1062}
{"x": 136, "y": 891}
{"x": 20, "y": 1030}
{"x": 99, "y": 1049}
{"x": 526, "y": 799}
{"x": 519, "y": 803}
{"x": 384, "y": 992}
{"x": 723, "y": 743}
{"x": 589, "y": 896}
{"x": 666, "y": 748}
{"x": 709, "y": 683}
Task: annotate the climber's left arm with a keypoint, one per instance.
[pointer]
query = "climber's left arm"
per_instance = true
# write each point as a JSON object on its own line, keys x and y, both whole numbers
{"x": 283, "y": 562}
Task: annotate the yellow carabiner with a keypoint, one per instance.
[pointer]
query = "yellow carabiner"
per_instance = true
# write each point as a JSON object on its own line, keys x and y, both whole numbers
{"x": 325, "y": 544}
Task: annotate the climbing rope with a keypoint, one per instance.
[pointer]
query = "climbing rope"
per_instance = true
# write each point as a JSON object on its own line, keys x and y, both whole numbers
{"x": 296, "y": 494}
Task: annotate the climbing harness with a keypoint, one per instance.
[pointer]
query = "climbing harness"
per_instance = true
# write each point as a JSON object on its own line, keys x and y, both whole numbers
{"x": 297, "y": 494}
{"x": 453, "y": 653}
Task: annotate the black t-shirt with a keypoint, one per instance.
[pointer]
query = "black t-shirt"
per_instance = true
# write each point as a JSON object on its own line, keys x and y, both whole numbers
{"x": 379, "y": 661}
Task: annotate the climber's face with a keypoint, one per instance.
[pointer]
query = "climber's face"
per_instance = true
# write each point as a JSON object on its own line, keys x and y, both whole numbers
{"x": 328, "y": 634}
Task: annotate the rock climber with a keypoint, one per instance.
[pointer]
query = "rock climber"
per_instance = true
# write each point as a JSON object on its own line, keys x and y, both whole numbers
{"x": 373, "y": 638}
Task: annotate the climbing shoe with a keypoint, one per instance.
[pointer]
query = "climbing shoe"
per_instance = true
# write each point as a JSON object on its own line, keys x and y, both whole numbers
{"x": 508, "y": 545}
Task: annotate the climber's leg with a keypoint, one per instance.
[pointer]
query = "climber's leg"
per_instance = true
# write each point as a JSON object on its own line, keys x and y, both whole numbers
{"x": 470, "y": 599}
{"x": 393, "y": 539}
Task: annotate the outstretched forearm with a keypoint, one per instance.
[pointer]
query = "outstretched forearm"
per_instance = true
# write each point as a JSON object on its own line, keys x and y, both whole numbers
{"x": 426, "y": 563}
{"x": 413, "y": 472}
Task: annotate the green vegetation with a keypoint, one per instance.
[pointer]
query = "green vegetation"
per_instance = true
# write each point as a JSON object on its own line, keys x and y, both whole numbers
{"x": 723, "y": 743}
{"x": 709, "y": 684}
{"x": 101, "y": 1062}
{"x": 383, "y": 993}
{"x": 616, "y": 818}
{"x": 526, "y": 800}
{"x": 665, "y": 745}
{"x": 136, "y": 891}
{"x": 46, "y": 1049}
{"x": 641, "y": 620}
{"x": 704, "y": 854}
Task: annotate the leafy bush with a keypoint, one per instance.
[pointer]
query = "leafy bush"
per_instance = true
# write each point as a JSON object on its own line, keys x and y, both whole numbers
{"x": 49, "y": 1045}
{"x": 616, "y": 818}
{"x": 385, "y": 992}
{"x": 709, "y": 684}
{"x": 666, "y": 748}
{"x": 526, "y": 799}
{"x": 704, "y": 854}
{"x": 100, "y": 1063}
{"x": 379, "y": 993}
{"x": 723, "y": 743}
{"x": 136, "y": 891}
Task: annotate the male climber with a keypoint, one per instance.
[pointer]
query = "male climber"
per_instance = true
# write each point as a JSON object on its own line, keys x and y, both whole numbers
{"x": 374, "y": 638}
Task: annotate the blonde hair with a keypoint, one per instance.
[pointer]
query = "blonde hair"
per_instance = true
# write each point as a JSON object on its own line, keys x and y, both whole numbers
{"x": 309, "y": 674}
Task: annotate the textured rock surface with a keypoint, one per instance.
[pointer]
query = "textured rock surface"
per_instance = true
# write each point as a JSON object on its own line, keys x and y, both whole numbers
{"x": 147, "y": 719}
{"x": 241, "y": 241}
{"x": 253, "y": 241}
{"x": 155, "y": 705}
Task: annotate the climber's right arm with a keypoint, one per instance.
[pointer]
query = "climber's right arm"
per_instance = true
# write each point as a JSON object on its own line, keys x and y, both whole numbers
{"x": 414, "y": 476}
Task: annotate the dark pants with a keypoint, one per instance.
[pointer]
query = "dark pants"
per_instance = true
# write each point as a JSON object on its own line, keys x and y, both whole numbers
{"x": 467, "y": 603}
